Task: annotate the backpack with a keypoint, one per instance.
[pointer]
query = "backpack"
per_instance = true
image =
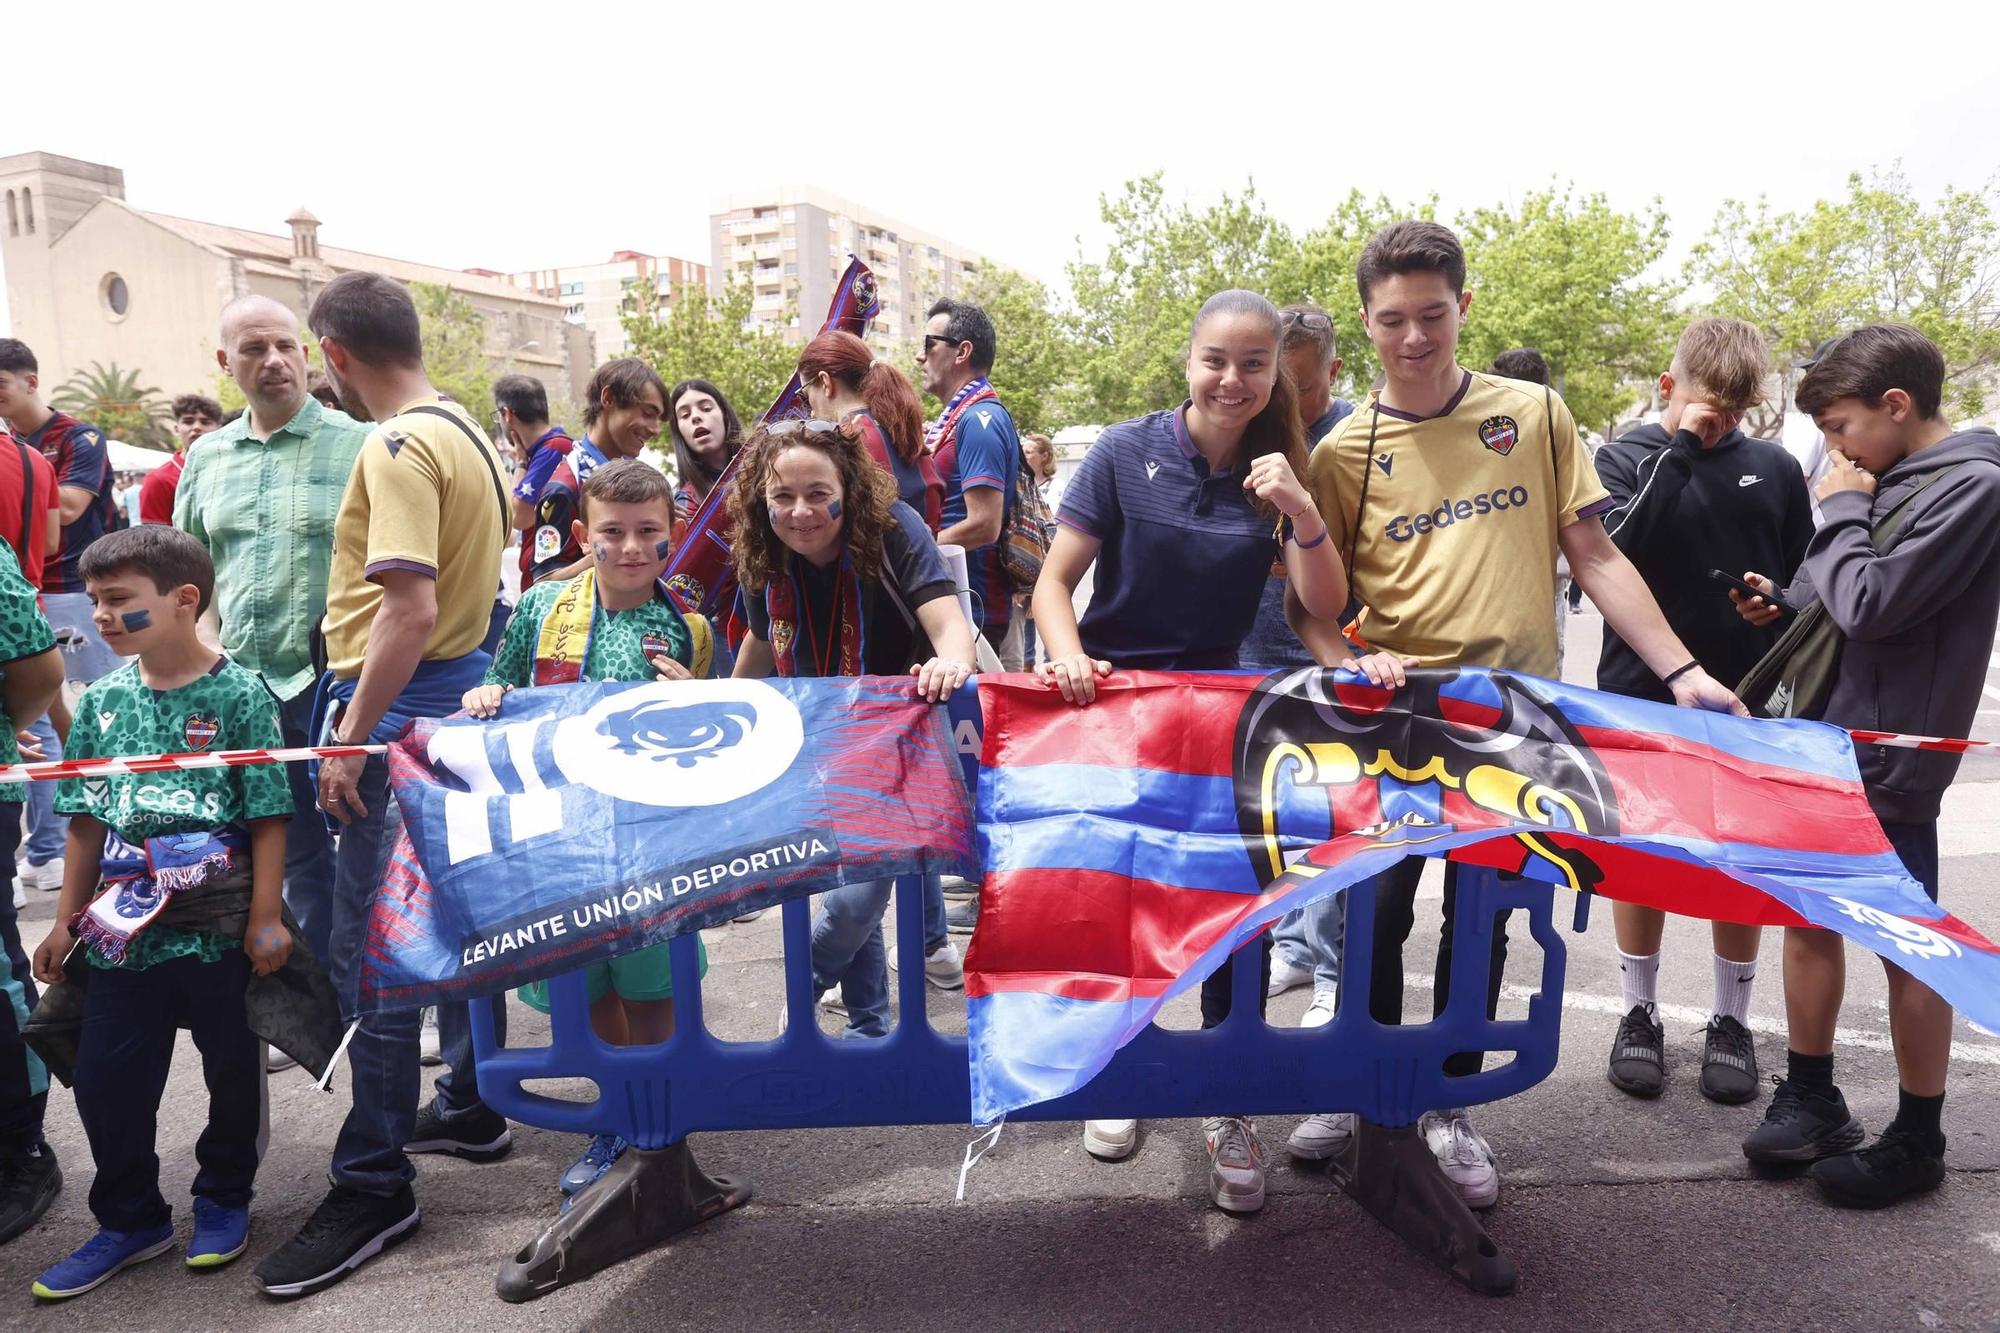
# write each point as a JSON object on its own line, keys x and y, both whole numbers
{"x": 1795, "y": 679}
{"x": 1025, "y": 531}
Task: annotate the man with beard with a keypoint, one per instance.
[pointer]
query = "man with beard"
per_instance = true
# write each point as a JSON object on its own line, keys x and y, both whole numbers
{"x": 261, "y": 495}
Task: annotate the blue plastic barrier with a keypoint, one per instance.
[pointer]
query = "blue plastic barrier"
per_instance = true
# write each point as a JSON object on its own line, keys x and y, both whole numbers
{"x": 655, "y": 1096}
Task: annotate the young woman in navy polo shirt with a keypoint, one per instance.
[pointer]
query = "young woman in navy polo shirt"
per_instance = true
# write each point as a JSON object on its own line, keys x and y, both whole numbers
{"x": 840, "y": 578}
{"x": 1200, "y": 498}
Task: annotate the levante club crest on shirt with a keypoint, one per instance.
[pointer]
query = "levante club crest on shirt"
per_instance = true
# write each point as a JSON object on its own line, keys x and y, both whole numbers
{"x": 654, "y": 645}
{"x": 1499, "y": 434}
{"x": 200, "y": 729}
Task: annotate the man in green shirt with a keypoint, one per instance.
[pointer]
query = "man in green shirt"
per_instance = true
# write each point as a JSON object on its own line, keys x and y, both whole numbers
{"x": 261, "y": 495}
{"x": 31, "y": 674}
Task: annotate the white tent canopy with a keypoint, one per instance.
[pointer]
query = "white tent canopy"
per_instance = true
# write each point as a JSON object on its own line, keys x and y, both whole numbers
{"x": 131, "y": 458}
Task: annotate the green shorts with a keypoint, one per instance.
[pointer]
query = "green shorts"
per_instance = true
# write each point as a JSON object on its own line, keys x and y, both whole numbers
{"x": 645, "y": 975}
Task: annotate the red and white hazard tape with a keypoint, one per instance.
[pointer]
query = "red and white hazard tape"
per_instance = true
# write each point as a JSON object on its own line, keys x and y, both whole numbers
{"x": 156, "y": 763}
{"x": 52, "y": 769}
{"x": 1920, "y": 742}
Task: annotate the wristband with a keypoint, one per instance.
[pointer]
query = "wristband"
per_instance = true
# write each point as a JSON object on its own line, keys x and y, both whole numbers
{"x": 1293, "y": 538}
{"x": 1679, "y": 671}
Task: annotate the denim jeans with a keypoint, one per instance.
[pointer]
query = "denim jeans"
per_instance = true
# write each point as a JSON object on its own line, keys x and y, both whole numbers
{"x": 1310, "y": 937}
{"x": 1395, "y": 914}
{"x": 847, "y": 948}
{"x": 24, "y": 1081}
{"x": 458, "y": 1086}
{"x": 47, "y": 830}
{"x": 1271, "y": 643}
{"x": 308, "y": 846}
{"x": 123, "y": 1054}
{"x": 934, "y": 925}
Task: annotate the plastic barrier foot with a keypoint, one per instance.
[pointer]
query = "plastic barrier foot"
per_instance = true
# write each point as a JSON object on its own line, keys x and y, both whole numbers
{"x": 1392, "y": 1174}
{"x": 645, "y": 1198}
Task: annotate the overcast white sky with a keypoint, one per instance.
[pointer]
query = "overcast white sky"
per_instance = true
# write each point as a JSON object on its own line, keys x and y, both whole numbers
{"x": 512, "y": 136}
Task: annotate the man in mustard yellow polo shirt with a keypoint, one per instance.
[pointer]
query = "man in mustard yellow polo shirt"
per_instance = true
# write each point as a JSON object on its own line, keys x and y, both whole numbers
{"x": 409, "y": 593}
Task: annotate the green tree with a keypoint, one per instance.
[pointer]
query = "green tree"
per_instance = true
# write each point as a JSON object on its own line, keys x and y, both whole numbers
{"x": 713, "y": 338}
{"x": 1320, "y": 269}
{"x": 1877, "y": 255}
{"x": 1134, "y": 306}
{"x": 454, "y": 336}
{"x": 1570, "y": 276}
{"x": 1036, "y": 360}
{"x": 114, "y": 401}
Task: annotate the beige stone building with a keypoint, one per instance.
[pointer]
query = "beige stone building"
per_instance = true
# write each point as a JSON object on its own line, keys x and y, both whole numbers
{"x": 599, "y": 296}
{"x": 91, "y": 278}
{"x": 792, "y": 245}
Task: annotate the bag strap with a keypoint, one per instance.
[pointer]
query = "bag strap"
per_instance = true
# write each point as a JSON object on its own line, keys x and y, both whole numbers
{"x": 27, "y": 501}
{"x": 481, "y": 447}
{"x": 1888, "y": 529}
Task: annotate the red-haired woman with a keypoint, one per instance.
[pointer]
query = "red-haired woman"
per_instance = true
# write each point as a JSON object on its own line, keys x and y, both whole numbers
{"x": 875, "y": 405}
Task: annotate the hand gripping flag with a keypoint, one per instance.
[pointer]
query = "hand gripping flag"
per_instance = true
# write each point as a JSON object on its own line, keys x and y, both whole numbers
{"x": 1132, "y": 845}
{"x": 699, "y": 573}
{"x": 587, "y": 821}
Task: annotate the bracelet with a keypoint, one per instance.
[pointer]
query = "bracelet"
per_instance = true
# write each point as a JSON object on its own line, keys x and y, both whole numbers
{"x": 1293, "y": 537}
{"x": 1679, "y": 671}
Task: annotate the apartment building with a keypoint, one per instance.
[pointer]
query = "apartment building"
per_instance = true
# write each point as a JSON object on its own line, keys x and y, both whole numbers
{"x": 598, "y": 297}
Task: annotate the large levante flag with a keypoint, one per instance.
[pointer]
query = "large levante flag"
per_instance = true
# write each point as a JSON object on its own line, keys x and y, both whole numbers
{"x": 586, "y": 821}
{"x": 699, "y": 572}
{"x": 1132, "y": 845}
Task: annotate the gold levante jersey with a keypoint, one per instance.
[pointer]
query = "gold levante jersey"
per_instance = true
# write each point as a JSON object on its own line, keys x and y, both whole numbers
{"x": 1448, "y": 523}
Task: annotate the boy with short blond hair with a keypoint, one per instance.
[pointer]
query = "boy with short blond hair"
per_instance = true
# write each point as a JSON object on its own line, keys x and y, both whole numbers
{"x": 156, "y": 862}
{"x": 614, "y": 621}
{"x": 1692, "y": 494}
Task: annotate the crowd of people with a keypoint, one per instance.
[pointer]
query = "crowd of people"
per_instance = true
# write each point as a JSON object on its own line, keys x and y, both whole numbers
{"x": 345, "y": 556}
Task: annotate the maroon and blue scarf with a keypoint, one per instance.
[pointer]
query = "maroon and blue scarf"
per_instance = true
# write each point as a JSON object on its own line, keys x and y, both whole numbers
{"x": 138, "y": 883}
{"x": 785, "y": 602}
{"x": 940, "y": 432}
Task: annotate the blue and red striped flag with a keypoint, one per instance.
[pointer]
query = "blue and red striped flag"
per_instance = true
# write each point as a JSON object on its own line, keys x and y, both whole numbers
{"x": 1132, "y": 845}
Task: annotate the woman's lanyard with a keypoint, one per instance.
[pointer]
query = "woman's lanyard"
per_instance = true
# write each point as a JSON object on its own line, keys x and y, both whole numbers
{"x": 824, "y": 645}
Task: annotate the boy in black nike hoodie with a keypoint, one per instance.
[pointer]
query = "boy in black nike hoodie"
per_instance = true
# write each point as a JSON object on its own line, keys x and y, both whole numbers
{"x": 1694, "y": 494}
{"x": 1919, "y": 624}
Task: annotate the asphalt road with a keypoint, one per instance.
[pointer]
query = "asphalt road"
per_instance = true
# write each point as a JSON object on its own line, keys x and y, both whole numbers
{"x": 1619, "y": 1213}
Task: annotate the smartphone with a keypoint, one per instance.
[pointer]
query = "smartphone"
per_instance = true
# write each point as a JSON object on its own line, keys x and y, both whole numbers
{"x": 1750, "y": 590}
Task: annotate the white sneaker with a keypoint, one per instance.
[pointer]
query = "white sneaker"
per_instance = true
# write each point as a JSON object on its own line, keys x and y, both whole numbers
{"x": 747, "y": 917}
{"x": 430, "y": 1050}
{"x": 829, "y": 1000}
{"x": 47, "y": 877}
{"x": 276, "y": 1061}
{"x": 958, "y": 886}
{"x": 1236, "y": 1163}
{"x": 20, "y": 894}
{"x": 1110, "y": 1139}
{"x": 1321, "y": 1135}
{"x": 1320, "y": 1012}
{"x": 1286, "y": 976}
{"x": 943, "y": 969}
{"x": 1464, "y": 1155}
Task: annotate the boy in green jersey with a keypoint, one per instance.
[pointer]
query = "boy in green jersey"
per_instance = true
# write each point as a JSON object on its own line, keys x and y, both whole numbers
{"x": 170, "y": 902}
{"x": 614, "y": 621}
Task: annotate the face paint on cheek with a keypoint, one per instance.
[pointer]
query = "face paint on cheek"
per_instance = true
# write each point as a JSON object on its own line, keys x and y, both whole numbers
{"x": 833, "y": 509}
{"x": 663, "y": 549}
{"x": 602, "y": 552}
{"x": 134, "y": 621}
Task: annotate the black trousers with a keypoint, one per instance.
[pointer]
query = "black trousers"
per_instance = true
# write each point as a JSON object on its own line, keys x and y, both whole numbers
{"x": 130, "y": 1021}
{"x": 24, "y": 1084}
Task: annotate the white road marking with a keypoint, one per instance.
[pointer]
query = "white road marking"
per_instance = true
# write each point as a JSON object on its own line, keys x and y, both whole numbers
{"x": 1973, "y": 1053}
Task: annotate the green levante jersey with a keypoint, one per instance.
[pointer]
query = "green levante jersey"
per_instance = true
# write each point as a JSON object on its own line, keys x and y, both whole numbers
{"x": 24, "y": 633}
{"x": 228, "y": 709}
{"x": 620, "y": 641}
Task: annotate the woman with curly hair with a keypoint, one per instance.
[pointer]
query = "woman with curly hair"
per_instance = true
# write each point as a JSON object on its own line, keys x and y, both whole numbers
{"x": 840, "y": 578}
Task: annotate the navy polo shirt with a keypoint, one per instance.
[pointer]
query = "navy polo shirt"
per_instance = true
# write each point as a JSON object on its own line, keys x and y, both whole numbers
{"x": 1183, "y": 555}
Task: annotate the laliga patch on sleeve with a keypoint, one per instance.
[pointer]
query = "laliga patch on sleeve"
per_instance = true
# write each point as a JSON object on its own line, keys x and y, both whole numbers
{"x": 548, "y": 543}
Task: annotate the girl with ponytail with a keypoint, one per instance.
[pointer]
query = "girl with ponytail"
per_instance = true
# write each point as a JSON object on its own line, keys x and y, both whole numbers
{"x": 876, "y": 408}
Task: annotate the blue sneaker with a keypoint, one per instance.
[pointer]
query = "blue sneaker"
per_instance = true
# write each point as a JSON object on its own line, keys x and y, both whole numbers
{"x": 604, "y": 1149}
{"x": 221, "y": 1233}
{"x": 100, "y": 1259}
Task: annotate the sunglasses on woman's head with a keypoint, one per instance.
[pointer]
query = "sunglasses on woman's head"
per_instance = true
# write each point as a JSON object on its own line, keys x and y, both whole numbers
{"x": 813, "y": 426}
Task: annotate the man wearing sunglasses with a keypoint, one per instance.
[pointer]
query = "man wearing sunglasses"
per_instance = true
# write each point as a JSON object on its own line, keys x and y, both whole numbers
{"x": 978, "y": 454}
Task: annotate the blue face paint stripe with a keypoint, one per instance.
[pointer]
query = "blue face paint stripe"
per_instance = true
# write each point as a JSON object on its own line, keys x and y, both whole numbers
{"x": 663, "y": 549}
{"x": 134, "y": 621}
{"x": 833, "y": 509}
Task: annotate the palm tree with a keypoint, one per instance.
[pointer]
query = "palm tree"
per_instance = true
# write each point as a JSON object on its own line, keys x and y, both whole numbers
{"x": 115, "y": 402}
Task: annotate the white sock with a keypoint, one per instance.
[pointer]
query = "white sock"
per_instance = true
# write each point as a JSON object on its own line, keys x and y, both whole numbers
{"x": 1639, "y": 979}
{"x": 1732, "y": 988}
